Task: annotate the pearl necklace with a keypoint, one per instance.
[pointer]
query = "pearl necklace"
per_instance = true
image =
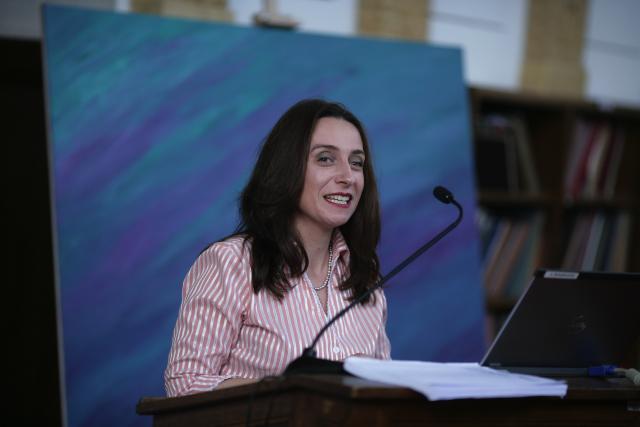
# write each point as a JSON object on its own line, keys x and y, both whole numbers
{"x": 326, "y": 280}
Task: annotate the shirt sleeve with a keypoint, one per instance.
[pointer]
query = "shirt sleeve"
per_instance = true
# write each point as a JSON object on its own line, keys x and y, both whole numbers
{"x": 383, "y": 346}
{"x": 215, "y": 297}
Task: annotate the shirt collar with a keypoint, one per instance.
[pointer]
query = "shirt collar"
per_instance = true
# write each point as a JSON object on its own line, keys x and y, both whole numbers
{"x": 340, "y": 248}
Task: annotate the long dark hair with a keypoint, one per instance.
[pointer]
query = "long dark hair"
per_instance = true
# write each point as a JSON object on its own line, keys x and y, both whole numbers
{"x": 271, "y": 198}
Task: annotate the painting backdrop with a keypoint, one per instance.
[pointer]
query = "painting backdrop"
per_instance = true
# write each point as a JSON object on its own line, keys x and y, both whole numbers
{"x": 154, "y": 127}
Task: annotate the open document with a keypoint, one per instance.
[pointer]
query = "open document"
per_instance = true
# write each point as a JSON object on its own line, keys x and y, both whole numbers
{"x": 444, "y": 381}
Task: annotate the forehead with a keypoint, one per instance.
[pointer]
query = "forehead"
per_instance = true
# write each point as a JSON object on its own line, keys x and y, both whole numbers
{"x": 336, "y": 132}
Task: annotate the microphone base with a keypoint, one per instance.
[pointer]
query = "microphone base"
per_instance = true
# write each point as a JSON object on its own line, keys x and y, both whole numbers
{"x": 312, "y": 365}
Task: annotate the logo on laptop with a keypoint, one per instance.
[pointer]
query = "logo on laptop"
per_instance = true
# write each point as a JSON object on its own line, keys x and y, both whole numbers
{"x": 570, "y": 275}
{"x": 578, "y": 324}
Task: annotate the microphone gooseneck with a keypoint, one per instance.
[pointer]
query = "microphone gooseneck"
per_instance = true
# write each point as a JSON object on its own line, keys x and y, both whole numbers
{"x": 307, "y": 363}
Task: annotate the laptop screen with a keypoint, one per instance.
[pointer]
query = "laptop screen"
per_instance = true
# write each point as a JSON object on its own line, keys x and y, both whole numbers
{"x": 571, "y": 320}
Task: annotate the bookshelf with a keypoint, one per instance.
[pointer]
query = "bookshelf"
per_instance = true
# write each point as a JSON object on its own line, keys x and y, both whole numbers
{"x": 558, "y": 187}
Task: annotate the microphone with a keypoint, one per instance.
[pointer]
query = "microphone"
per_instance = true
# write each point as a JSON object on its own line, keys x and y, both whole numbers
{"x": 443, "y": 195}
{"x": 308, "y": 363}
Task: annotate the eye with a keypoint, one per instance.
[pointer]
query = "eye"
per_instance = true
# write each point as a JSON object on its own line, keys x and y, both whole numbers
{"x": 357, "y": 163}
{"x": 325, "y": 158}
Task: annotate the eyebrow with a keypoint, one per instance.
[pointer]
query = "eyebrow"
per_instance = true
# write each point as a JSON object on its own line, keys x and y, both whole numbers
{"x": 333, "y": 147}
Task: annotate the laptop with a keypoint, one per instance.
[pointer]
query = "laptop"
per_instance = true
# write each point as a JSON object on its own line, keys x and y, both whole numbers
{"x": 566, "y": 322}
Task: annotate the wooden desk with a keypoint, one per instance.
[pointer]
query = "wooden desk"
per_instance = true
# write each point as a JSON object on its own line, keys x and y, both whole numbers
{"x": 348, "y": 401}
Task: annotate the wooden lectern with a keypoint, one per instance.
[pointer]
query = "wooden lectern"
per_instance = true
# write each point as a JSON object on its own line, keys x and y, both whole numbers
{"x": 321, "y": 400}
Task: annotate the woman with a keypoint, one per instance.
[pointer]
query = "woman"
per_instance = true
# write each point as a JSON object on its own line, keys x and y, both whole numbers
{"x": 304, "y": 249}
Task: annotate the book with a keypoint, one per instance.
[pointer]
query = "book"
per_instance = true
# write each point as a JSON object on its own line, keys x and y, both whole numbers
{"x": 581, "y": 135}
{"x": 620, "y": 242}
{"x": 612, "y": 165}
{"x": 487, "y": 226}
{"x": 506, "y": 262}
{"x": 528, "y": 259}
{"x": 593, "y": 241}
{"x": 579, "y": 177}
{"x": 511, "y": 149}
{"x": 595, "y": 161}
{"x": 491, "y": 261}
{"x": 577, "y": 242}
{"x": 496, "y": 160}
{"x": 526, "y": 161}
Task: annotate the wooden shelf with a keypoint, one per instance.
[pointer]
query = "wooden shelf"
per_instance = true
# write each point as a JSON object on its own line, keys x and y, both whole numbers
{"x": 514, "y": 200}
{"x": 621, "y": 202}
{"x": 544, "y": 200}
{"x": 533, "y": 100}
{"x": 551, "y": 125}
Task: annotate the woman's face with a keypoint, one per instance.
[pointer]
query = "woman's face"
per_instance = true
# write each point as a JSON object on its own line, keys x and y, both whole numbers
{"x": 334, "y": 178}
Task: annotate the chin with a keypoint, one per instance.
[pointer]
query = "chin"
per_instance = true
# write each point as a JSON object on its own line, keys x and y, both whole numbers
{"x": 338, "y": 222}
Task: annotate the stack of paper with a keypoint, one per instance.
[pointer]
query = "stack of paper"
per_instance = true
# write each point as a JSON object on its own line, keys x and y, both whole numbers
{"x": 444, "y": 381}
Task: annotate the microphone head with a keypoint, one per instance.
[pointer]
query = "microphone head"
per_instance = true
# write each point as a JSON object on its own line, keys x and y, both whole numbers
{"x": 443, "y": 194}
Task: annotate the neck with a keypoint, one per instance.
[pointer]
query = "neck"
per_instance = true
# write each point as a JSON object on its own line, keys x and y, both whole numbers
{"x": 316, "y": 245}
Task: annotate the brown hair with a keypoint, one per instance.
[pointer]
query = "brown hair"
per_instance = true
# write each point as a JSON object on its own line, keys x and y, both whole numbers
{"x": 271, "y": 198}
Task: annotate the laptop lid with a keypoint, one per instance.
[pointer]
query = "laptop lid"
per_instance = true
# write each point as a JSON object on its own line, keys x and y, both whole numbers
{"x": 566, "y": 322}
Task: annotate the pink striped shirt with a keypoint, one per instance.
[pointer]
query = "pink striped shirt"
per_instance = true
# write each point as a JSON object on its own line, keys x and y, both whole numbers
{"x": 224, "y": 330}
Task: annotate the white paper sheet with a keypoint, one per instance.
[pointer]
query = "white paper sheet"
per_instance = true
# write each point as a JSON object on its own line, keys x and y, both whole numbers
{"x": 444, "y": 381}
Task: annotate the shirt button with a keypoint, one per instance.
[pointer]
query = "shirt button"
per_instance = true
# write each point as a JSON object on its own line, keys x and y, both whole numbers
{"x": 336, "y": 349}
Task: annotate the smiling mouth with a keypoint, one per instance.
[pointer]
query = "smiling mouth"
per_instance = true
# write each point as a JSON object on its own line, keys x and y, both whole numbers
{"x": 342, "y": 200}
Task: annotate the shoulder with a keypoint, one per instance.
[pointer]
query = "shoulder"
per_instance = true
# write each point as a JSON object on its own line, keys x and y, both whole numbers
{"x": 223, "y": 265}
{"x": 229, "y": 258}
{"x": 235, "y": 247}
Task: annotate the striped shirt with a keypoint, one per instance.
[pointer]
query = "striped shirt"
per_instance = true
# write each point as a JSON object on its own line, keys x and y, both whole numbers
{"x": 224, "y": 330}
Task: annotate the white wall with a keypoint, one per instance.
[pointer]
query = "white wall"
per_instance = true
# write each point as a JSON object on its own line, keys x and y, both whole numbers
{"x": 612, "y": 51}
{"x": 491, "y": 32}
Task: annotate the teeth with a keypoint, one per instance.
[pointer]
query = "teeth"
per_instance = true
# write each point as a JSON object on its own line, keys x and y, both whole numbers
{"x": 341, "y": 200}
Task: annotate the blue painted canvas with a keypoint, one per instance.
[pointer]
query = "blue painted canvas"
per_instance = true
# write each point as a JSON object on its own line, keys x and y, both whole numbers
{"x": 154, "y": 128}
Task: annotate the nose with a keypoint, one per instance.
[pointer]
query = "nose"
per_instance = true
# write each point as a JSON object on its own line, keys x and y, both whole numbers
{"x": 345, "y": 174}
